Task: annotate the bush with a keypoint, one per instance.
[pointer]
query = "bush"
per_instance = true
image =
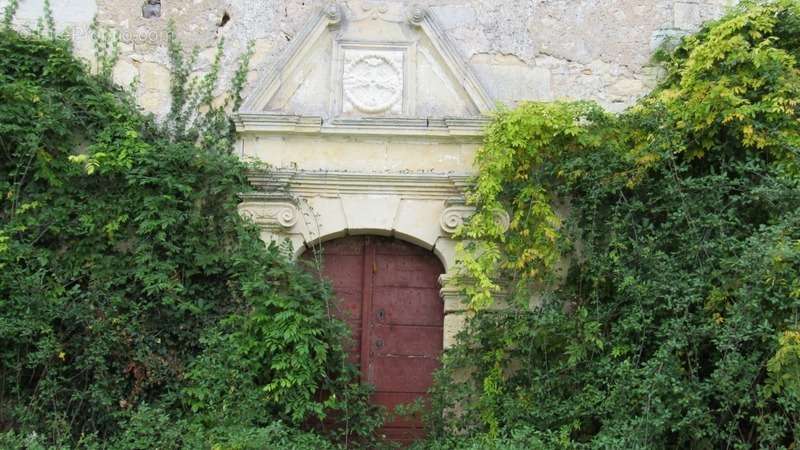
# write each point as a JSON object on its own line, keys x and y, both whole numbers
{"x": 674, "y": 322}
{"x": 137, "y": 308}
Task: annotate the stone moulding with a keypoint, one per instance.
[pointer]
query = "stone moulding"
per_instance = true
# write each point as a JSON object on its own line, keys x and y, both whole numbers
{"x": 459, "y": 127}
{"x": 427, "y": 22}
{"x": 329, "y": 17}
{"x": 324, "y": 183}
{"x": 311, "y": 207}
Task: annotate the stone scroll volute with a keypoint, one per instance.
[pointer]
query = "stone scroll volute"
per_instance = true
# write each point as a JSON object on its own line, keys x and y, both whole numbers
{"x": 275, "y": 216}
{"x": 457, "y": 213}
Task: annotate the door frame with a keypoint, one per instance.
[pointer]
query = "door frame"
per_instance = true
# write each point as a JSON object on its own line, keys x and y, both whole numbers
{"x": 302, "y": 210}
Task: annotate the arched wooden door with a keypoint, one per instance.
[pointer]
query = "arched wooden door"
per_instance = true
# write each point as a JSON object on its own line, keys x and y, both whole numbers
{"x": 389, "y": 295}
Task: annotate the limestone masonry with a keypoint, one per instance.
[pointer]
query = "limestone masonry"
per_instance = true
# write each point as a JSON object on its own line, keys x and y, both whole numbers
{"x": 520, "y": 49}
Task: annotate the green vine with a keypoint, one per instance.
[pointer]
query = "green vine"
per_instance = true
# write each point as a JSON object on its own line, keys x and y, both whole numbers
{"x": 106, "y": 49}
{"x": 138, "y": 309}
{"x": 517, "y": 144}
{"x": 652, "y": 260}
{"x": 733, "y": 86}
{"x": 9, "y": 12}
{"x": 49, "y": 22}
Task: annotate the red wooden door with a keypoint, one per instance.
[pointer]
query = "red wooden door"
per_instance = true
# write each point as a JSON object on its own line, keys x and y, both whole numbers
{"x": 389, "y": 295}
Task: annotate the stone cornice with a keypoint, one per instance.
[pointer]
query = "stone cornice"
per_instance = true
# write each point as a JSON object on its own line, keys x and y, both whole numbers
{"x": 469, "y": 128}
{"x": 407, "y": 185}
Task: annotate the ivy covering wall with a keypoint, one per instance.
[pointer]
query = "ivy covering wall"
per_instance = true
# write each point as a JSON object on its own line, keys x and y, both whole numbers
{"x": 137, "y": 308}
{"x": 652, "y": 268}
{"x": 652, "y": 263}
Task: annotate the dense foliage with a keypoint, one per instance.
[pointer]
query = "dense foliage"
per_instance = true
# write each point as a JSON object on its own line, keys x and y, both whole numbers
{"x": 652, "y": 262}
{"x": 651, "y": 269}
{"x": 137, "y": 309}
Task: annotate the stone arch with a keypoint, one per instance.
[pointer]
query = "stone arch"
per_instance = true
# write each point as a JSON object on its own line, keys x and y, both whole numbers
{"x": 311, "y": 208}
{"x": 441, "y": 253}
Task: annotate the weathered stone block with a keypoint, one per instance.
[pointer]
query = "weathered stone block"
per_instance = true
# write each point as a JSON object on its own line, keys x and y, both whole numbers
{"x": 154, "y": 77}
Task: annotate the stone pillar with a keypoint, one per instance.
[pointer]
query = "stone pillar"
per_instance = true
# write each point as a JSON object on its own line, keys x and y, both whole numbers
{"x": 455, "y": 309}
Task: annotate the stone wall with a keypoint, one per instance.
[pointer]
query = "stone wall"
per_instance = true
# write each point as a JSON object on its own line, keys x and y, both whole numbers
{"x": 520, "y": 49}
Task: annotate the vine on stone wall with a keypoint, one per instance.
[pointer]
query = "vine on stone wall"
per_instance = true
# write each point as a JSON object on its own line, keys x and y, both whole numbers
{"x": 660, "y": 249}
{"x": 137, "y": 308}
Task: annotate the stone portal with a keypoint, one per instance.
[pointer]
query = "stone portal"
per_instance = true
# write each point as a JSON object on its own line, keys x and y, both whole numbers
{"x": 370, "y": 122}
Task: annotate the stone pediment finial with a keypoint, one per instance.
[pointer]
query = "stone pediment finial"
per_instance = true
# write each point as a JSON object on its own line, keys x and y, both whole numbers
{"x": 333, "y": 13}
{"x": 417, "y": 15}
{"x": 369, "y": 68}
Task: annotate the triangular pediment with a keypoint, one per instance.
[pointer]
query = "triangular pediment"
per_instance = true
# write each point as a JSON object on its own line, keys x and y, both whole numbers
{"x": 361, "y": 66}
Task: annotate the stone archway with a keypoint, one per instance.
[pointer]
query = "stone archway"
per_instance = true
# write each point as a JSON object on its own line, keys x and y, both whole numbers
{"x": 388, "y": 293}
{"x": 308, "y": 209}
{"x": 369, "y": 122}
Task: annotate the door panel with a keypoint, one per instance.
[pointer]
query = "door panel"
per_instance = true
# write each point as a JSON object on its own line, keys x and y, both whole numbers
{"x": 402, "y": 374}
{"x": 405, "y": 341}
{"x": 343, "y": 262}
{"x": 393, "y": 399}
{"x": 388, "y": 293}
{"x": 344, "y": 274}
{"x": 348, "y": 304}
{"x": 406, "y": 271}
{"x": 407, "y": 306}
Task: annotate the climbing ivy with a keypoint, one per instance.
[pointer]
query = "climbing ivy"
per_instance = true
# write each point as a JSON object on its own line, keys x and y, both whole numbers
{"x": 652, "y": 263}
{"x": 651, "y": 268}
{"x": 137, "y": 308}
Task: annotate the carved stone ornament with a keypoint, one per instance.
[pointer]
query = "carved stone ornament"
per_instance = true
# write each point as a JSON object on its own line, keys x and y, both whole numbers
{"x": 373, "y": 81}
{"x": 333, "y": 13}
{"x": 151, "y": 9}
{"x": 455, "y": 216}
{"x": 501, "y": 218}
{"x": 374, "y": 10}
{"x": 417, "y": 15}
{"x": 278, "y": 215}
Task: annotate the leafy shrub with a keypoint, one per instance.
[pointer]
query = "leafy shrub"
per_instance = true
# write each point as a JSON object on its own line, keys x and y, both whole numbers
{"x": 522, "y": 438}
{"x": 660, "y": 250}
{"x": 137, "y": 308}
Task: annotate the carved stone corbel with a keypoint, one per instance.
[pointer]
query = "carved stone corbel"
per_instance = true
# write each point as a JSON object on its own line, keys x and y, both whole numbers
{"x": 455, "y": 215}
{"x": 457, "y": 212}
{"x": 274, "y": 215}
